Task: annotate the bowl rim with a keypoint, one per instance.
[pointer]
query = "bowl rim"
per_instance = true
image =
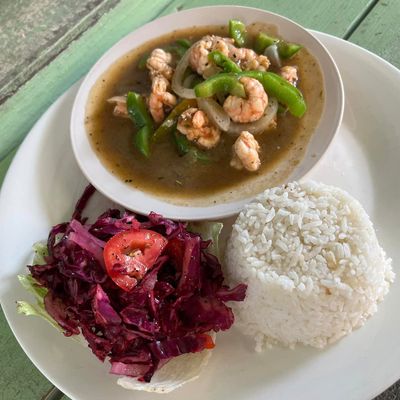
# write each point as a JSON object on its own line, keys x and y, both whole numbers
{"x": 170, "y": 210}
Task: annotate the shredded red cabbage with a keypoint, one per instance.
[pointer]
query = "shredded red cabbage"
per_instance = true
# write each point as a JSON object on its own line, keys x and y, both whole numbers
{"x": 167, "y": 314}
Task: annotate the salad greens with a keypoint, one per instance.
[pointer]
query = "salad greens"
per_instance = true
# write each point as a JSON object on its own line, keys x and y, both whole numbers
{"x": 80, "y": 278}
{"x": 33, "y": 286}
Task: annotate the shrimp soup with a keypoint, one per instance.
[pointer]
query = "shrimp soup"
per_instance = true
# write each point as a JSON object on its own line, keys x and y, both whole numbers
{"x": 160, "y": 136}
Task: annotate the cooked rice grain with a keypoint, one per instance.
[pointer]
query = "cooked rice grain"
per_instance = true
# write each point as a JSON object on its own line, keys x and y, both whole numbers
{"x": 312, "y": 262}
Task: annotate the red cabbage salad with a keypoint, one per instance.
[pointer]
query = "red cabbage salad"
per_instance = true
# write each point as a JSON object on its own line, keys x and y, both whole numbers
{"x": 140, "y": 290}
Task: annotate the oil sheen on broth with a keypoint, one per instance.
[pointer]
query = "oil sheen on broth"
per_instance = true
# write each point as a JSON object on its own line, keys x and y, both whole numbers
{"x": 180, "y": 179}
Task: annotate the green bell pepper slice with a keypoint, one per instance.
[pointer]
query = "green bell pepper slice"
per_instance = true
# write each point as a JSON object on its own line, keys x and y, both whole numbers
{"x": 169, "y": 123}
{"x": 137, "y": 111}
{"x": 221, "y": 60}
{"x": 273, "y": 84}
{"x": 286, "y": 50}
{"x": 142, "y": 140}
{"x": 263, "y": 41}
{"x": 184, "y": 146}
{"x": 179, "y": 47}
{"x": 181, "y": 143}
{"x": 282, "y": 90}
{"x": 184, "y": 43}
{"x": 237, "y": 31}
{"x": 224, "y": 83}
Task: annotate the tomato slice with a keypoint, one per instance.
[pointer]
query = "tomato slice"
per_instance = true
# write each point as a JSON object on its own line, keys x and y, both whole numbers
{"x": 129, "y": 255}
{"x": 209, "y": 343}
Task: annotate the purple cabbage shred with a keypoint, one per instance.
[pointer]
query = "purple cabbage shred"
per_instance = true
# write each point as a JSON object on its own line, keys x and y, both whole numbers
{"x": 169, "y": 312}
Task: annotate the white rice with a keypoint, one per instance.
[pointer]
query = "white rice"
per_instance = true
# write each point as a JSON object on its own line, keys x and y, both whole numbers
{"x": 312, "y": 262}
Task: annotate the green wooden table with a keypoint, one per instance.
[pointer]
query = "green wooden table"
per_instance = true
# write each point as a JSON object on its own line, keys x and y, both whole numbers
{"x": 47, "y": 45}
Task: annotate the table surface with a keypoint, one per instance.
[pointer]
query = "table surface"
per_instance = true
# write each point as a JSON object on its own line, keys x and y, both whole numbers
{"x": 47, "y": 45}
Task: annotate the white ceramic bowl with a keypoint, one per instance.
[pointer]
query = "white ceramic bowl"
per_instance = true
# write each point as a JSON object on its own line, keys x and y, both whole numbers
{"x": 143, "y": 202}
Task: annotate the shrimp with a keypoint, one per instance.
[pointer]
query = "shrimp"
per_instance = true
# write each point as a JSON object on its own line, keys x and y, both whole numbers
{"x": 159, "y": 64}
{"x": 246, "y": 152}
{"x": 289, "y": 72}
{"x": 120, "y": 109}
{"x": 250, "y": 109}
{"x": 257, "y": 63}
{"x": 248, "y": 59}
{"x": 199, "y": 54}
{"x": 160, "y": 73}
{"x": 195, "y": 125}
{"x": 160, "y": 97}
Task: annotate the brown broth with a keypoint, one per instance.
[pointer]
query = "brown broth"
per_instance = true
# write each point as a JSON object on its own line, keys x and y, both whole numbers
{"x": 180, "y": 179}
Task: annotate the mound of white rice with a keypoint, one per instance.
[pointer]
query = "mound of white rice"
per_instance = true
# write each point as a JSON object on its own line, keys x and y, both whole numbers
{"x": 312, "y": 262}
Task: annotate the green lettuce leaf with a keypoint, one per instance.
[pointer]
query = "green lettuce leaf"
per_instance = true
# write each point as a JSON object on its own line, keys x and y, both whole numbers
{"x": 40, "y": 249}
{"x": 33, "y": 286}
{"x": 26, "y": 308}
{"x": 208, "y": 230}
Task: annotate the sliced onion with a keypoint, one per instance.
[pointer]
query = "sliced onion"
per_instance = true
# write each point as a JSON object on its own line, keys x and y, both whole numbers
{"x": 120, "y": 109}
{"x": 215, "y": 112}
{"x": 273, "y": 55}
{"x": 258, "y": 126}
{"x": 211, "y": 70}
{"x": 187, "y": 82}
{"x": 117, "y": 99}
{"x": 177, "y": 79}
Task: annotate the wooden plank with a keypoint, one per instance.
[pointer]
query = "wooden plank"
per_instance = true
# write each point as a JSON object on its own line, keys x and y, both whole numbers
{"x": 379, "y": 31}
{"x": 33, "y": 33}
{"x": 332, "y": 17}
{"x": 392, "y": 393}
{"x": 5, "y": 163}
{"x": 19, "y": 379}
{"x": 18, "y": 113}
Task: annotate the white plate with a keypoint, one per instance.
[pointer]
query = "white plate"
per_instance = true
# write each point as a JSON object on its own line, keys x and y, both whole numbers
{"x": 44, "y": 182}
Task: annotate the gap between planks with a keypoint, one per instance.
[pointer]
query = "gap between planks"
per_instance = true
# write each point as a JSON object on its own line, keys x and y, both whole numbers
{"x": 358, "y": 21}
